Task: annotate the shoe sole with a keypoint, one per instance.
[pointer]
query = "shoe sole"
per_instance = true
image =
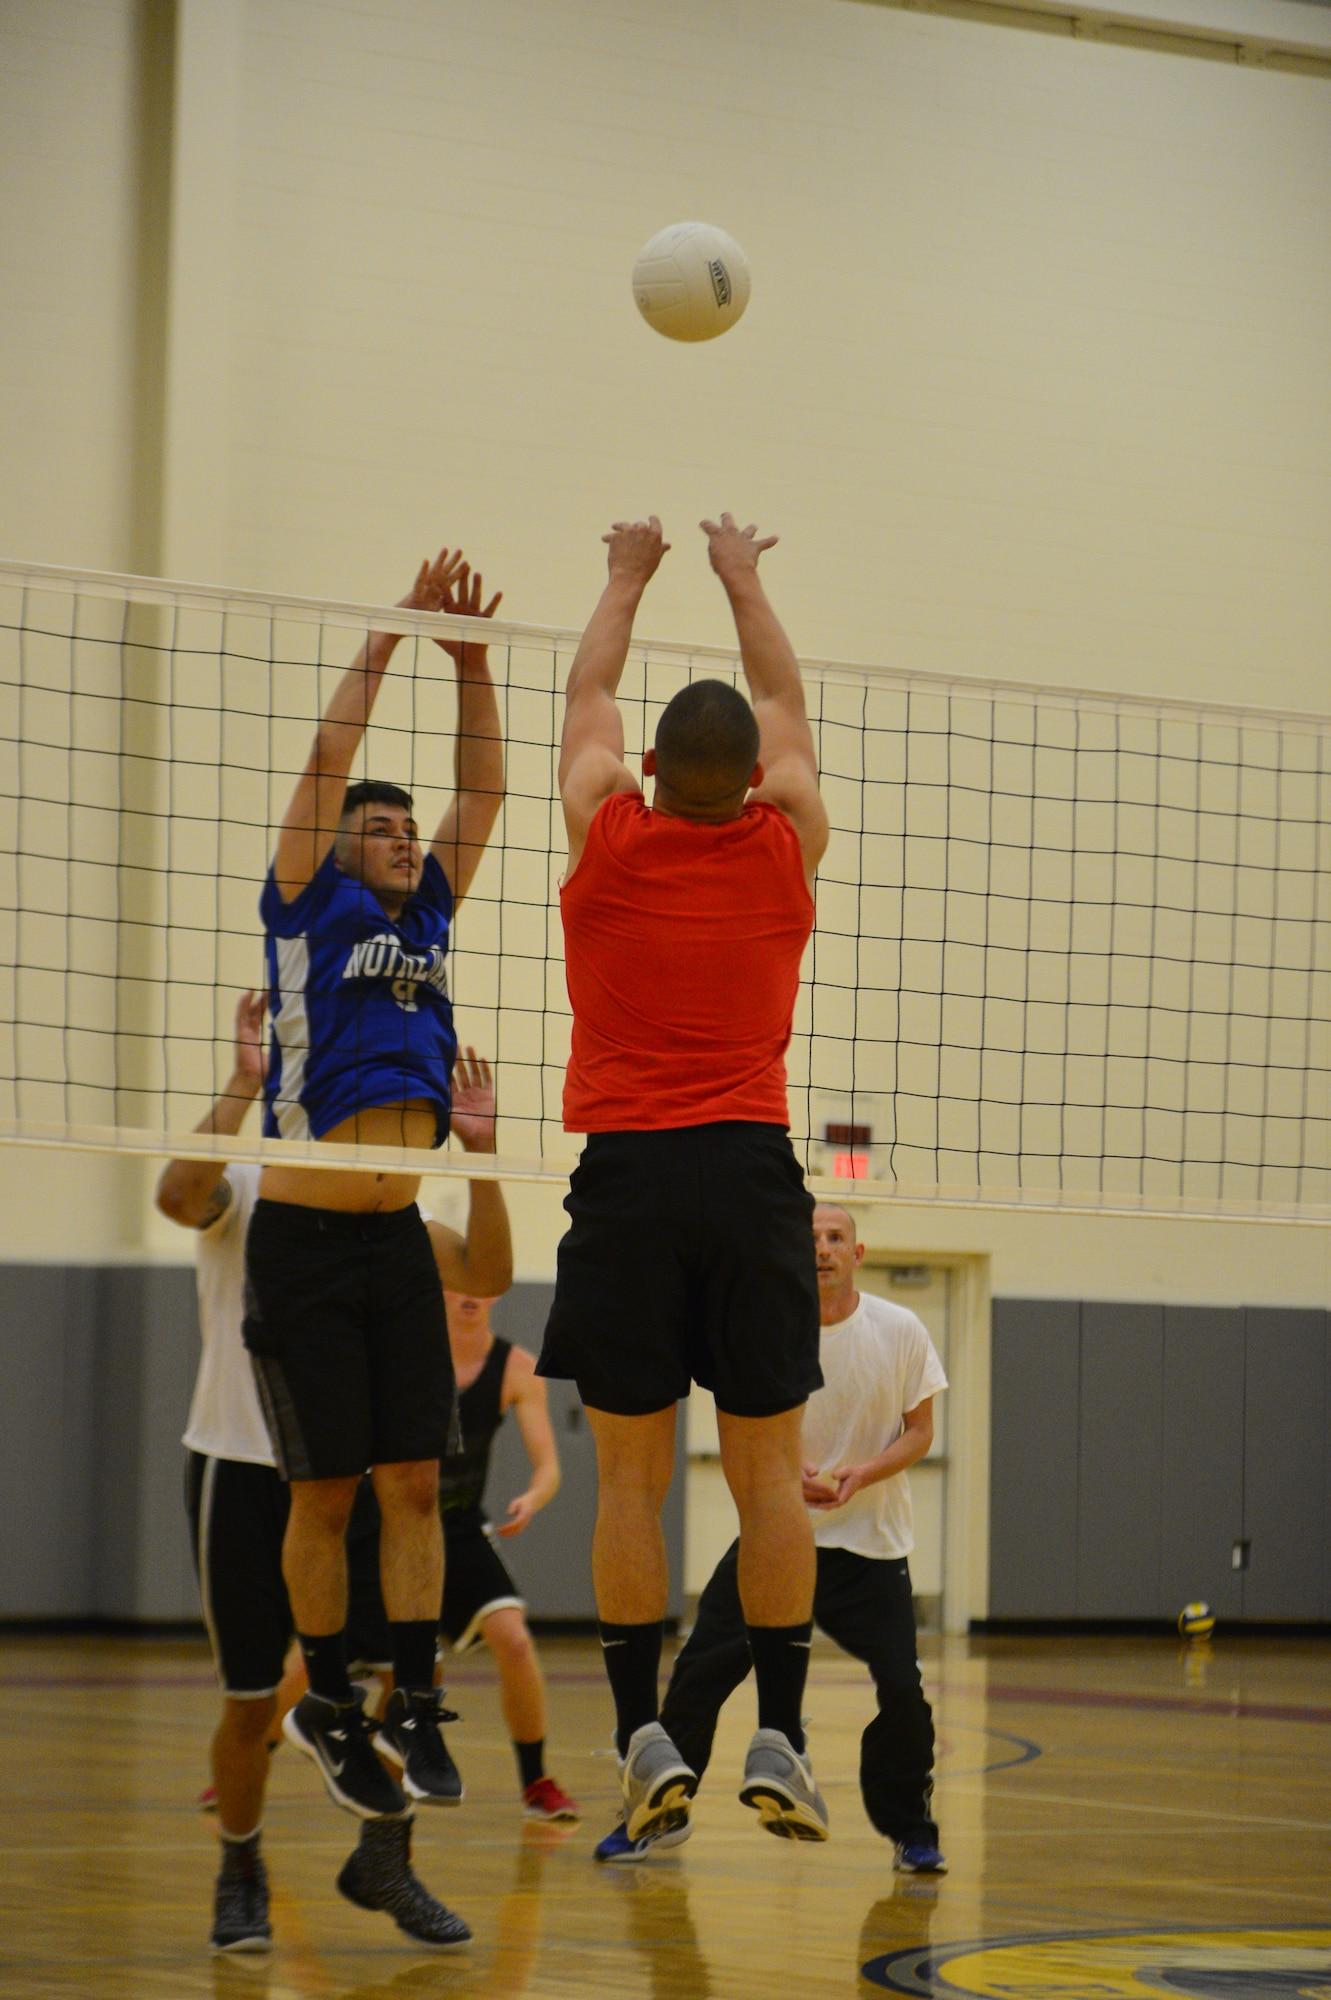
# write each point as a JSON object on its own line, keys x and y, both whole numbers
{"x": 670, "y": 1798}
{"x": 550, "y": 1818}
{"x": 781, "y": 1812}
{"x": 334, "y": 1790}
{"x": 248, "y": 1944}
{"x": 904, "y": 1868}
{"x": 387, "y": 1748}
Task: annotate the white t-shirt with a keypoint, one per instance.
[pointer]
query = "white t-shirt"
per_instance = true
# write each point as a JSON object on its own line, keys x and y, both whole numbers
{"x": 225, "y": 1420}
{"x": 877, "y": 1364}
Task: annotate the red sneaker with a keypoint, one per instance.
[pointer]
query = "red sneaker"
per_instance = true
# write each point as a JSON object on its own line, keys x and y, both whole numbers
{"x": 207, "y": 1799}
{"x": 545, "y": 1800}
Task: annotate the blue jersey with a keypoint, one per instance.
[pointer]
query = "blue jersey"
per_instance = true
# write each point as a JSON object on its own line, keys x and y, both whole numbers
{"x": 359, "y": 1004}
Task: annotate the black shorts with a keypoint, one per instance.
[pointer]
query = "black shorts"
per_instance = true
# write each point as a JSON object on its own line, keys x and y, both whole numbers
{"x": 344, "y": 1319}
{"x": 238, "y": 1516}
{"x": 475, "y": 1584}
{"x": 690, "y": 1258}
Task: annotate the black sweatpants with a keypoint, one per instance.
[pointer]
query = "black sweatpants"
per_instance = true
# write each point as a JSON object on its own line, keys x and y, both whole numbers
{"x": 865, "y": 1607}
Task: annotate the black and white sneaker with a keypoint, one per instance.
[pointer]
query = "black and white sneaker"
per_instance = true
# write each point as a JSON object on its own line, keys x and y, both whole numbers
{"x": 410, "y": 1737}
{"x": 379, "y": 1876}
{"x": 240, "y": 1906}
{"x": 336, "y": 1736}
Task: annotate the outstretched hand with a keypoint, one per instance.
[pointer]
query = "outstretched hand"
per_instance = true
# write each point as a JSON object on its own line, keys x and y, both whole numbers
{"x": 734, "y": 550}
{"x": 463, "y": 594}
{"x": 434, "y": 581}
{"x": 473, "y": 1116}
{"x": 636, "y": 548}
{"x": 247, "y": 1034}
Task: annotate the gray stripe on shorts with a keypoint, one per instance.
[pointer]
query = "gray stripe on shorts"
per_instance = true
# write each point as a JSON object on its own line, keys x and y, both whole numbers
{"x": 279, "y": 1414}
{"x": 205, "y": 1556}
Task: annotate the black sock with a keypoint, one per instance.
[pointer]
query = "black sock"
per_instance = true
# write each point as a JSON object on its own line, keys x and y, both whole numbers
{"x": 326, "y": 1664}
{"x": 390, "y": 1831}
{"x": 780, "y": 1664}
{"x": 531, "y": 1761}
{"x": 414, "y": 1643}
{"x": 240, "y": 1851}
{"x": 632, "y": 1655}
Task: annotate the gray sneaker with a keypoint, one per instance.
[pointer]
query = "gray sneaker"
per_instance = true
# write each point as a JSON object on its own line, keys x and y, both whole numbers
{"x": 657, "y": 1783}
{"x": 240, "y": 1905}
{"x": 378, "y": 1875}
{"x": 778, "y": 1784}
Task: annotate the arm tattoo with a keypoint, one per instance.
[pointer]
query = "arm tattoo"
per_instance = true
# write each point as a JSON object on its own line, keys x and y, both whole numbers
{"x": 219, "y": 1201}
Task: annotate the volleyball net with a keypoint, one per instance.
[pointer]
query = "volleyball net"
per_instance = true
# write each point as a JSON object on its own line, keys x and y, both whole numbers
{"x": 1072, "y": 949}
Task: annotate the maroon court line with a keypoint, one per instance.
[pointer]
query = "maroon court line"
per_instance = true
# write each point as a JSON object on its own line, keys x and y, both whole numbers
{"x": 1263, "y": 1711}
{"x": 1240, "y": 1710}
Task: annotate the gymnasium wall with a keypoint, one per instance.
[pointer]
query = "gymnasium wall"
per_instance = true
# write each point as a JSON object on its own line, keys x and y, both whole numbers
{"x": 1033, "y": 382}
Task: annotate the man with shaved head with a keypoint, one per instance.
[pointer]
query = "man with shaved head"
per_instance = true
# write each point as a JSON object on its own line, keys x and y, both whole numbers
{"x": 685, "y": 922}
{"x": 871, "y": 1419}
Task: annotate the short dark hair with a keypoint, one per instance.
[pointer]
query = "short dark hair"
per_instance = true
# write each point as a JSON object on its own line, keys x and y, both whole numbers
{"x": 371, "y": 792}
{"x": 706, "y": 742}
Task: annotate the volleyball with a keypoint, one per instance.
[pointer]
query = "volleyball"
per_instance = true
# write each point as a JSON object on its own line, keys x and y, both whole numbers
{"x": 1196, "y": 1621}
{"x": 691, "y": 281}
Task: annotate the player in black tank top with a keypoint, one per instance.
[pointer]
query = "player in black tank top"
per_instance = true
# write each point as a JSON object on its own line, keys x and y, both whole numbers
{"x": 463, "y": 1473}
{"x": 481, "y": 1599}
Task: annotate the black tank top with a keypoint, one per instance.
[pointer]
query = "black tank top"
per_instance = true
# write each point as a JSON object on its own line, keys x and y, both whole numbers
{"x": 463, "y": 1473}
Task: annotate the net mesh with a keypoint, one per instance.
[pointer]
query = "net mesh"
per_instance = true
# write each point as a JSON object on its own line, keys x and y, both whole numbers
{"x": 1070, "y": 949}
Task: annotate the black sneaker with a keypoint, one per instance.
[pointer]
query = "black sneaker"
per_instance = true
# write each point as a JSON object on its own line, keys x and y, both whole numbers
{"x": 240, "y": 1907}
{"x": 409, "y": 1736}
{"x": 379, "y": 1876}
{"x": 337, "y": 1736}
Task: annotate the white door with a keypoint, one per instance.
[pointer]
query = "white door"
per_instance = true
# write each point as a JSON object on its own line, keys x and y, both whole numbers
{"x": 926, "y": 1290}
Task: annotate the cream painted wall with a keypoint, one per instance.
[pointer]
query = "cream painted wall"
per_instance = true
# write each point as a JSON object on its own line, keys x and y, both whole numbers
{"x": 73, "y": 332}
{"x": 1031, "y": 382}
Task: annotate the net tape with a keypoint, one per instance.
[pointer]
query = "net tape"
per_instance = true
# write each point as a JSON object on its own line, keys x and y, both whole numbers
{"x": 1072, "y": 950}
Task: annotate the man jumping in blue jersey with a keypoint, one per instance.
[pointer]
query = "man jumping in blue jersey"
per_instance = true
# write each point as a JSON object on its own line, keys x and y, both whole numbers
{"x": 344, "y": 1315}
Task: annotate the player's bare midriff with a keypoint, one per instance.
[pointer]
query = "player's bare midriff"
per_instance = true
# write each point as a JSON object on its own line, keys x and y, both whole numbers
{"x": 355, "y": 1192}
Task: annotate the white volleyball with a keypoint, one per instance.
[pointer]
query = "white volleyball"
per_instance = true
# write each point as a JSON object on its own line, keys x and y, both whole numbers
{"x": 691, "y": 281}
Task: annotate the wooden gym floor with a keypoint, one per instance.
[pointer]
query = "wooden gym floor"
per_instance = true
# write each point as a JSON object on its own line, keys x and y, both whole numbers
{"x": 1121, "y": 1817}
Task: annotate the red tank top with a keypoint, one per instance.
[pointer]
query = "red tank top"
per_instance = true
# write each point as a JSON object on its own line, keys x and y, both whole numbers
{"x": 682, "y": 948}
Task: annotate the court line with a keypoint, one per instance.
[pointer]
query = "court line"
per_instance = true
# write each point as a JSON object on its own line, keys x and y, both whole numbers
{"x": 1263, "y": 1711}
{"x": 1138, "y": 1808}
{"x": 1236, "y": 1707}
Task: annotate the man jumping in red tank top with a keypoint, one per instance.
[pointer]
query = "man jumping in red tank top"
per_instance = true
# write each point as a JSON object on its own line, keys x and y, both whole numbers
{"x": 689, "y": 1256}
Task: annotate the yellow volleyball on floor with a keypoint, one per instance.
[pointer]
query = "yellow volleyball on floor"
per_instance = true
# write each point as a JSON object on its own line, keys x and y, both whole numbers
{"x": 1196, "y": 1621}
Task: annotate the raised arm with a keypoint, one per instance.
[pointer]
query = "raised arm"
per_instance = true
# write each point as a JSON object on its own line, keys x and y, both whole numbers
{"x": 524, "y": 1394}
{"x": 591, "y": 747}
{"x": 785, "y": 740}
{"x": 193, "y": 1192}
{"x": 478, "y": 754}
{"x": 481, "y": 1262}
{"x": 307, "y": 831}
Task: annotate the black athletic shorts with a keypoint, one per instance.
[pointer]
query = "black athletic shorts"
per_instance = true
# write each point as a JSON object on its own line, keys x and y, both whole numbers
{"x": 344, "y": 1320}
{"x": 238, "y": 1516}
{"x": 690, "y": 1258}
{"x": 475, "y": 1583}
